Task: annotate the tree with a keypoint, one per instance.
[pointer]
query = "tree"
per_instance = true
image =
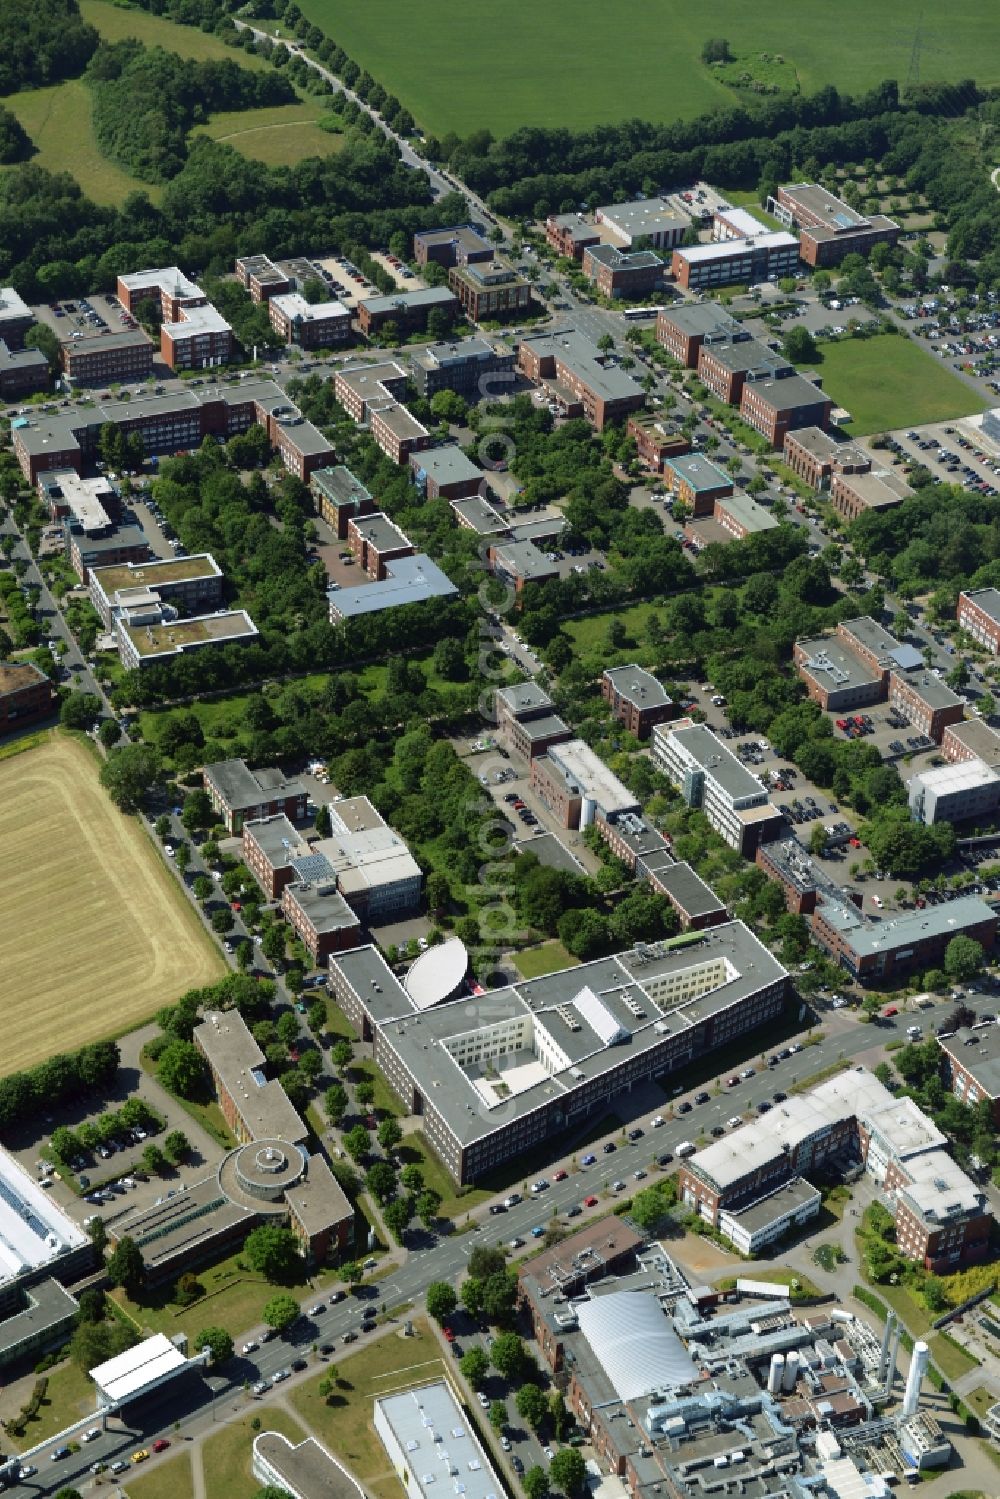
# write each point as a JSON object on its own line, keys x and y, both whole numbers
{"x": 79, "y": 710}
{"x": 43, "y": 338}
{"x": 128, "y": 773}
{"x": 485, "y": 1261}
{"x": 126, "y": 1267}
{"x": 316, "y": 1017}
{"x": 92, "y": 1305}
{"x": 323, "y": 825}
{"x": 412, "y": 1177}
{"x": 273, "y": 943}
{"x": 498, "y": 1416}
{"x": 223, "y": 920}
{"x": 273, "y": 1252}
{"x": 203, "y": 887}
{"x": 472, "y": 1295}
{"x": 353, "y": 1272}
{"x": 280, "y": 1312}
{"x": 335, "y": 1103}
{"x": 389, "y": 1133}
{"x": 508, "y": 1356}
{"x": 716, "y": 49}
{"x": 357, "y": 1142}
{"x": 181, "y": 1068}
{"x": 935, "y": 1296}
{"x": 288, "y": 1028}
{"x": 176, "y": 1146}
{"x": 153, "y": 1159}
{"x": 799, "y": 346}
{"x": 427, "y": 1205}
{"x": 958, "y": 677}
{"x": 328, "y": 1384}
{"x": 342, "y": 1053}
{"x": 531, "y": 1405}
{"x": 365, "y": 1092}
{"x": 569, "y": 1470}
{"x": 963, "y": 959}
{"x": 500, "y": 1296}
{"x": 218, "y": 1341}
{"x": 380, "y": 1180}
{"x": 536, "y": 1483}
{"x": 197, "y": 811}
{"x": 397, "y": 1216}
{"x": 441, "y": 1300}
{"x": 182, "y": 855}
{"x": 475, "y": 1366}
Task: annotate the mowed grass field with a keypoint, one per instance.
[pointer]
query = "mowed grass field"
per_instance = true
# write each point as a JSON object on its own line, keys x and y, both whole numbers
{"x": 115, "y": 22}
{"x": 889, "y": 382}
{"x": 280, "y": 136}
{"x": 94, "y": 934}
{"x": 58, "y": 120}
{"x": 574, "y": 63}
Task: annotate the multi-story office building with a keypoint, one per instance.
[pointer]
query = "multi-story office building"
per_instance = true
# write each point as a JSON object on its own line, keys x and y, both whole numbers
{"x": 472, "y": 367}
{"x": 311, "y": 325}
{"x": 319, "y": 915}
{"x": 93, "y": 504}
{"x": 696, "y": 481}
{"x": 569, "y": 234}
{"x": 99, "y": 358}
{"x": 815, "y": 456}
{"x": 22, "y": 372}
{"x": 710, "y": 777}
{"x": 520, "y": 563}
{"x": 942, "y": 1219}
{"x": 16, "y": 317}
{"x": 302, "y": 1470}
{"x": 853, "y": 494}
{"x": 979, "y": 615}
{"x": 623, "y": 273}
{"x": 361, "y": 387}
{"x": 148, "y": 637}
{"x": 26, "y": 695}
{"x": 909, "y": 942}
{"x": 657, "y": 437}
{"x": 828, "y": 227}
{"x": 396, "y": 431}
{"x": 340, "y": 497}
{"x": 776, "y": 407}
{"x": 927, "y": 701}
{"x": 258, "y": 275}
{"x": 490, "y": 291}
{"x": 637, "y": 699}
{"x": 577, "y": 787}
{"x": 726, "y": 367}
{"x": 971, "y": 740}
{"x": 407, "y": 311}
{"x": 684, "y": 329}
{"x": 965, "y": 792}
{"x": 970, "y": 1060}
{"x": 496, "y": 1076}
{"x": 240, "y": 795}
{"x": 647, "y": 853}
{"x": 462, "y": 244}
{"x": 740, "y": 515}
{"x": 767, "y": 257}
{"x": 167, "y": 285}
{"x": 199, "y": 339}
{"x": 109, "y": 546}
{"x": 44, "y": 1250}
{"x": 527, "y": 721}
{"x": 577, "y": 375}
{"x": 649, "y": 220}
{"x": 190, "y": 584}
{"x": 863, "y": 664}
{"x": 408, "y": 580}
{"x": 374, "y": 541}
{"x": 445, "y": 473}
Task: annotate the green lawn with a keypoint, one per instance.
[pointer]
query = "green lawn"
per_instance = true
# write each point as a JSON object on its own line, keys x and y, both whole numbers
{"x": 168, "y": 1478}
{"x": 234, "y": 1299}
{"x": 116, "y": 22}
{"x": 548, "y": 957}
{"x": 455, "y": 1201}
{"x": 465, "y": 67}
{"x": 385, "y": 1101}
{"x": 889, "y": 382}
{"x": 280, "y": 136}
{"x": 345, "y": 1424}
{"x": 68, "y": 1396}
{"x": 952, "y": 1360}
{"x": 591, "y": 633}
{"x": 226, "y": 1456}
{"x": 58, "y": 121}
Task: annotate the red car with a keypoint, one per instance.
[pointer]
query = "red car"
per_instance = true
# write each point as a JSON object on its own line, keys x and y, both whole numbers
{"x": 161, "y": 1444}
{"x": 559, "y": 1176}
{"x": 590, "y": 1202}
{"x": 449, "y": 1336}
{"x": 890, "y": 1012}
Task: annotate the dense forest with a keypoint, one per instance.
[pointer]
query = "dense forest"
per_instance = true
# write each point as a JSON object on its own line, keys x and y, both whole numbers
{"x": 15, "y": 144}
{"x": 146, "y": 100}
{"x": 42, "y": 44}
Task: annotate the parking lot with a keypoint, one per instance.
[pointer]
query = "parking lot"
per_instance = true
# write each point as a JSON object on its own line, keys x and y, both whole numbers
{"x": 404, "y": 278}
{"x": 345, "y": 281}
{"x": 86, "y": 317}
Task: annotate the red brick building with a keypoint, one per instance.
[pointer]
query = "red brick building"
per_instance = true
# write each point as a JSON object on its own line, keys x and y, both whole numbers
{"x": 103, "y": 357}
{"x": 258, "y": 275}
{"x": 855, "y": 494}
{"x": 461, "y": 244}
{"x": 26, "y": 695}
{"x": 570, "y": 234}
{"x": 241, "y": 795}
{"x": 396, "y": 431}
{"x": 656, "y": 438}
{"x": 828, "y": 227}
{"x": 311, "y": 325}
{"x": 686, "y": 327}
{"x": 490, "y": 291}
{"x": 167, "y": 285}
{"x": 979, "y": 614}
{"x": 527, "y": 721}
{"x": 726, "y": 367}
{"x": 199, "y": 339}
{"x": 407, "y": 311}
{"x": 323, "y": 921}
{"x": 374, "y": 541}
{"x": 623, "y": 273}
{"x": 815, "y": 456}
{"x": 637, "y": 699}
{"x": 776, "y": 407}
{"x": 582, "y": 380}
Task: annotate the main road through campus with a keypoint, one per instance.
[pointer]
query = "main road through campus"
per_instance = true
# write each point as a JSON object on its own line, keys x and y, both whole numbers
{"x": 210, "y": 1401}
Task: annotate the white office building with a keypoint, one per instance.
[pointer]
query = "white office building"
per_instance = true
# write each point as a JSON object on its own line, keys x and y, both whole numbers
{"x": 710, "y": 777}
{"x": 955, "y": 793}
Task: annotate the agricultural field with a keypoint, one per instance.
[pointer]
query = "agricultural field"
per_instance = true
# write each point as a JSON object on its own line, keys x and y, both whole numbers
{"x": 127, "y": 943}
{"x": 280, "y": 136}
{"x": 466, "y": 68}
{"x": 58, "y": 120}
{"x": 115, "y": 22}
{"x": 887, "y": 382}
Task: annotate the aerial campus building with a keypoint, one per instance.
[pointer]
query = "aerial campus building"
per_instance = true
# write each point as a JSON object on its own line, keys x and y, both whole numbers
{"x": 41, "y": 1250}
{"x": 496, "y": 1074}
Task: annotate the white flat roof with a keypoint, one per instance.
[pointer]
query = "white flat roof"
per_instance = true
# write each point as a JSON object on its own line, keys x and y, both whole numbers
{"x": 964, "y": 775}
{"x": 743, "y": 221}
{"x": 721, "y": 248}
{"x": 197, "y": 320}
{"x": 170, "y": 279}
{"x": 579, "y": 763}
{"x": 33, "y": 1230}
{"x": 637, "y": 1348}
{"x": 294, "y": 305}
{"x": 438, "y": 1444}
{"x": 138, "y": 1368}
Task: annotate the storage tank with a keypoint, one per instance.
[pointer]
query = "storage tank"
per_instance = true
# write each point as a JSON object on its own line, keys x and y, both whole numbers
{"x": 775, "y": 1373}
{"x": 791, "y": 1371}
{"x": 919, "y": 1360}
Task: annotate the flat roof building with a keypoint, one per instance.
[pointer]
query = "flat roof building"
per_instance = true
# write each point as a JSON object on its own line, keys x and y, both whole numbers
{"x": 853, "y": 494}
{"x": 576, "y": 785}
{"x": 657, "y": 436}
{"x": 473, "y": 367}
{"x": 906, "y": 942}
{"x": 623, "y": 273}
{"x": 199, "y": 338}
{"x": 22, "y": 372}
{"x": 445, "y": 473}
{"x": 302, "y": 1470}
{"x": 766, "y": 257}
{"x": 26, "y": 695}
{"x": 16, "y": 317}
{"x": 686, "y": 327}
{"x": 726, "y": 367}
{"x": 167, "y": 284}
{"x": 101, "y": 357}
{"x": 258, "y": 275}
{"x": 407, "y": 311}
{"x": 979, "y": 615}
{"x": 521, "y": 562}
{"x": 239, "y": 794}
{"x": 696, "y": 481}
{"x": 407, "y": 580}
{"x": 425, "y": 1430}
{"x": 971, "y": 1058}
{"x": 777, "y": 406}
{"x": 311, "y": 325}
{"x": 569, "y": 234}
{"x": 527, "y": 720}
{"x": 190, "y": 583}
{"x": 461, "y": 244}
{"x": 255, "y": 1107}
{"x": 829, "y": 227}
{"x": 579, "y": 377}
{"x": 637, "y": 699}
{"x": 490, "y": 290}
{"x": 644, "y": 219}
{"x": 340, "y": 497}
{"x": 141, "y": 645}
{"x": 741, "y": 515}
{"x": 375, "y": 541}
{"x": 816, "y": 456}
{"x": 963, "y": 792}
{"x": 709, "y": 776}
{"x": 971, "y": 740}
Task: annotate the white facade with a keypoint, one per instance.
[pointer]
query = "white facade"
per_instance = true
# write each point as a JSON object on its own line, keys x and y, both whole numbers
{"x": 955, "y": 793}
{"x": 432, "y": 1445}
{"x": 710, "y": 777}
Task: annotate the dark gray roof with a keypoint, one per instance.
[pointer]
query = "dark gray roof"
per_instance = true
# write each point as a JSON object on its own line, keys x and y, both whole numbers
{"x": 689, "y": 890}
{"x": 977, "y": 1051}
{"x": 446, "y": 465}
{"x": 239, "y": 786}
{"x": 638, "y": 686}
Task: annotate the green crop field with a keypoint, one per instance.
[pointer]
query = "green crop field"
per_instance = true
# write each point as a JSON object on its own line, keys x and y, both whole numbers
{"x": 58, "y": 121}
{"x": 887, "y": 383}
{"x": 279, "y": 136}
{"x": 571, "y": 62}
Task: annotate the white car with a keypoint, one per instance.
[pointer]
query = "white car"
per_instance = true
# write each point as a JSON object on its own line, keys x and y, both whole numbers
{"x": 877, "y": 901}
{"x": 91, "y": 1435}
{"x": 655, "y": 1123}
{"x": 539, "y": 1186}
{"x": 734, "y": 1123}
{"x": 279, "y": 1375}
{"x": 639, "y": 1175}
{"x": 484, "y": 1400}
{"x": 250, "y": 1347}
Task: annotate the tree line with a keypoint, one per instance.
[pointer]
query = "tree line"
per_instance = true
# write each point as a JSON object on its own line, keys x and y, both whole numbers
{"x": 146, "y": 100}
{"x": 42, "y": 44}
{"x": 66, "y": 1076}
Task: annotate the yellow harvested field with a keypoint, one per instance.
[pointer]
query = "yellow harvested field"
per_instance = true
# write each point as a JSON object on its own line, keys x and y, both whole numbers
{"x": 94, "y": 934}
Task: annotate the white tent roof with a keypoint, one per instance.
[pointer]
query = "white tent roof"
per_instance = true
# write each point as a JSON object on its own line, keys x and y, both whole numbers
{"x": 137, "y": 1369}
{"x": 638, "y": 1349}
